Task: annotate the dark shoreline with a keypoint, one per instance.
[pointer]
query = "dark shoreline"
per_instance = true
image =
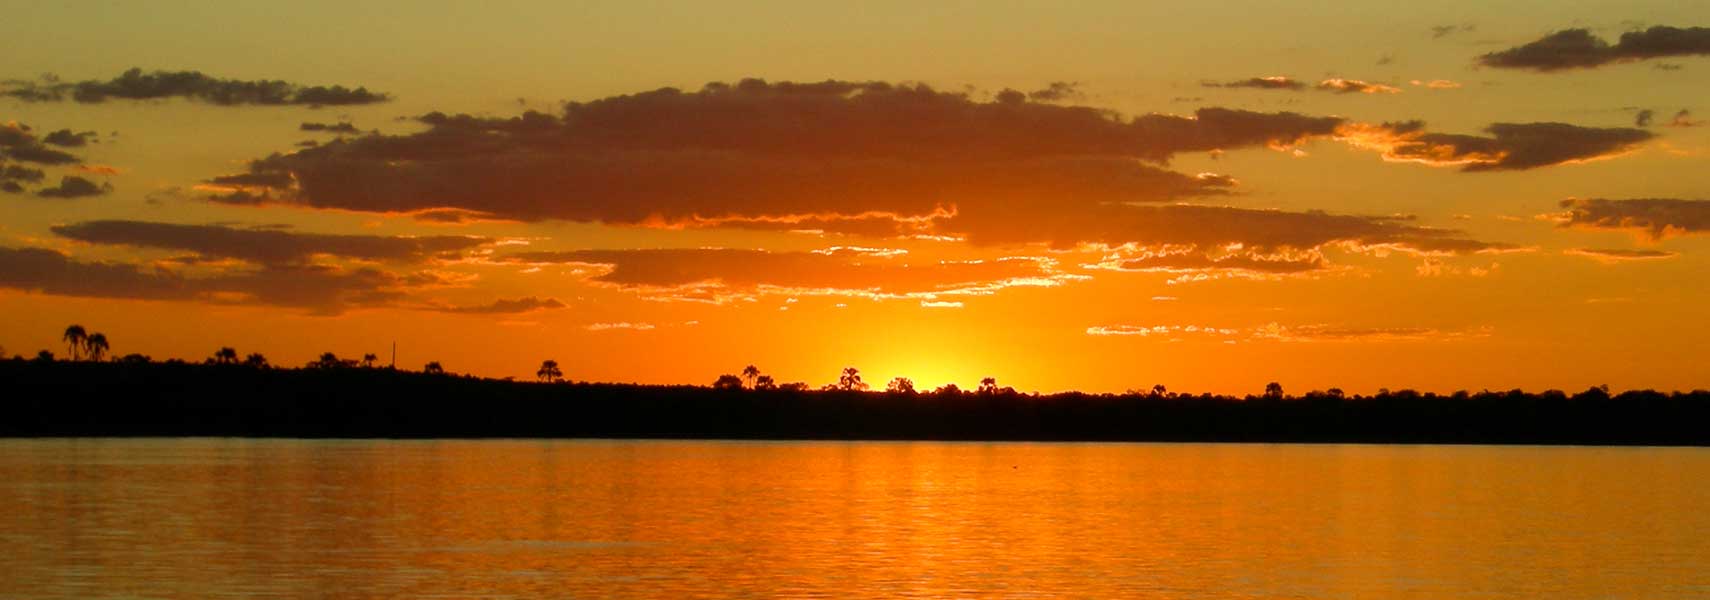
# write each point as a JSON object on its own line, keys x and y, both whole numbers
{"x": 65, "y": 399}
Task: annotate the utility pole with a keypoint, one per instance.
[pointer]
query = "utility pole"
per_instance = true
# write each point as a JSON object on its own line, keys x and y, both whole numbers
{"x": 394, "y": 355}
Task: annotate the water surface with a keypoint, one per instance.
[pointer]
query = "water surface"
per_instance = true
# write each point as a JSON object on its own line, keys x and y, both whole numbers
{"x": 623, "y": 519}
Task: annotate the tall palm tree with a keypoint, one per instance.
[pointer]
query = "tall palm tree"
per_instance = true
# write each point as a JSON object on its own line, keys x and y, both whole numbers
{"x": 96, "y": 346}
{"x": 750, "y": 373}
{"x": 851, "y": 379}
{"x": 549, "y": 371}
{"x": 368, "y": 360}
{"x": 255, "y": 361}
{"x": 74, "y": 338}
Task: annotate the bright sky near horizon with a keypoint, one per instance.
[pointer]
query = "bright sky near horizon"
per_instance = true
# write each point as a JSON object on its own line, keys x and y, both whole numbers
{"x": 1101, "y": 196}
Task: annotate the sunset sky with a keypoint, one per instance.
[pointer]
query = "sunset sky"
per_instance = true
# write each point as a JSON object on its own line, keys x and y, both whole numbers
{"x": 1102, "y": 196}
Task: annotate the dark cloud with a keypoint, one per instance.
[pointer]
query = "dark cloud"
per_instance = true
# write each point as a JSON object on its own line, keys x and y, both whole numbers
{"x": 757, "y": 149}
{"x": 1643, "y": 119}
{"x": 1510, "y": 147}
{"x": 1441, "y": 31}
{"x": 1684, "y": 119}
{"x": 72, "y": 186}
{"x": 318, "y": 289}
{"x": 137, "y": 85}
{"x": 1183, "y": 262}
{"x": 11, "y": 187}
{"x": 1263, "y": 83}
{"x": 1618, "y": 255}
{"x": 19, "y": 144}
{"x": 1656, "y": 218}
{"x": 1578, "y": 48}
{"x": 17, "y": 173}
{"x": 66, "y": 139}
{"x": 506, "y": 307}
{"x": 267, "y": 246}
{"x": 1058, "y": 91}
{"x": 330, "y": 127}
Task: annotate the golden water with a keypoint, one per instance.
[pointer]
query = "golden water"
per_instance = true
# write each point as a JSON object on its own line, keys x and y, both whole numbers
{"x": 612, "y": 519}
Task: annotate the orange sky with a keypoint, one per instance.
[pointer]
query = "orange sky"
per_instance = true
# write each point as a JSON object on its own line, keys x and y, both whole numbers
{"x": 1102, "y": 198}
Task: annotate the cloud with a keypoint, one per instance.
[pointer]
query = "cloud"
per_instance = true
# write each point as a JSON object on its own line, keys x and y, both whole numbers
{"x": 1655, "y": 218}
{"x": 1264, "y": 83}
{"x": 722, "y": 275}
{"x": 1355, "y": 86}
{"x": 66, "y": 139}
{"x": 1275, "y": 332}
{"x": 342, "y": 127}
{"x": 506, "y": 307}
{"x": 757, "y": 150}
{"x": 1059, "y": 91}
{"x": 266, "y": 246}
{"x": 1643, "y": 119}
{"x": 18, "y": 144}
{"x": 1684, "y": 119}
{"x": 134, "y": 84}
{"x": 1441, "y": 31}
{"x": 1616, "y": 255}
{"x": 318, "y": 289}
{"x": 1337, "y": 85}
{"x": 1578, "y": 48}
{"x": 1510, "y": 147}
{"x": 619, "y": 325}
{"x": 1437, "y": 84}
{"x": 72, "y": 186}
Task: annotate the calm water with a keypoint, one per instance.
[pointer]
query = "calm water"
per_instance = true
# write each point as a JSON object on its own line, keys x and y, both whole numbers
{"x": 498, "y": 519}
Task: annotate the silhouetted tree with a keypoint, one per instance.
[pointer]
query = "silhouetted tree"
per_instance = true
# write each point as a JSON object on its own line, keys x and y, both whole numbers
{"x": 765, "y": 382}
{"x": 1273, "y": 390}
{"x": 328, "y": 360}
{"x": 1159, "y": 390}
{"x": 433, "y": 368}
{"x": 728, "y": 382}
{"x": 255, "y": 361}
{"x": 1334, "y": 393}
{"x": 136, "y": 359}
{"x": 948, "y": 389}
{"x": 750, "y": 373}
{"x": 851, "y": 380}
{"x": 549, "y": 372}
{"x": 368, "y": 360}
{"x": 44, "y": 357}
{"x": 901, "y": 385}
{"x": 794, "y": 386}
{"x": 74, "y": 338}
{"x": 96, "y": 346}
{"x": 228, "y": 355}
{"x": 988, "y": 386}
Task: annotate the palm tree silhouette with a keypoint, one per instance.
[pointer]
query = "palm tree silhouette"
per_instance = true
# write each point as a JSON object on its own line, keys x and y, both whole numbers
{"x": 368, "y": 360}
{"x": 851, "y": 379}
{"x": 549, "y": 371}
{"x": 226, "y": 355}
{"x": 96, "y": 345}
{"x": 255, "y": 361}
{"x": 750, "y": 373}
{"x": 74, "y": 338}
{"x": 433, "y": 368}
